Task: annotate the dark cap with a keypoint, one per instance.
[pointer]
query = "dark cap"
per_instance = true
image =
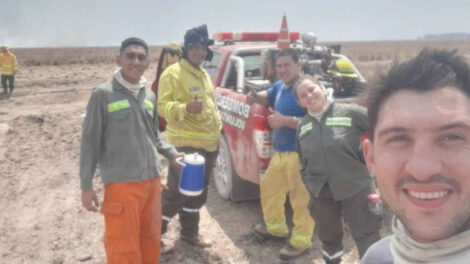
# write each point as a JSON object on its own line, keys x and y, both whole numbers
{"x": 133, "y": 41}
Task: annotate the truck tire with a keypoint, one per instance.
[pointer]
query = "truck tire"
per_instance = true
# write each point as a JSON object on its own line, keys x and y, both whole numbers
{"x": 227, "y": 182}
{"x": 223, "y": 170}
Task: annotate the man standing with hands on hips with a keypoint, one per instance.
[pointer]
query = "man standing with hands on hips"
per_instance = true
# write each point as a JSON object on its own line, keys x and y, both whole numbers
{"x": 186, "y": 100}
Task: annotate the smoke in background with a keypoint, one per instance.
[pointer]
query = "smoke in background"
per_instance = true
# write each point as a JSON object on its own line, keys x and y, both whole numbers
{"x": 53, "y": 23}
{"x": 42, "y": 23}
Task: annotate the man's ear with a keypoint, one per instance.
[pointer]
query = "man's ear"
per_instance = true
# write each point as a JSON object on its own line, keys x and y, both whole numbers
{"x": 368, "y": 151}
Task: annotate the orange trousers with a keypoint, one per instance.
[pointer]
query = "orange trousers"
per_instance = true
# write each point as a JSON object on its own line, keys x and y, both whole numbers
{"x": 132, "y": 216}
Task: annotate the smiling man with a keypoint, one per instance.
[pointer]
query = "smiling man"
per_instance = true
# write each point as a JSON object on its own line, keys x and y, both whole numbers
{"x": 283, "y": 174}
{"x": 120, "y": 133}
{"x": 420, "y": 153}
{"x": 186, "y": 100}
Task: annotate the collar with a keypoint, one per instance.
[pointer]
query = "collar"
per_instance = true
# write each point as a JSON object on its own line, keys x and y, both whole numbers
{"x": 187, "y": 66}
{"x": 290, "y": 86}
{"x": 323, "y": 110}
{"x": 406, "y": 250}
{"x": 134, "y": 88}
{"x": 329, "y": 102}
{"x": 285, "y": 87}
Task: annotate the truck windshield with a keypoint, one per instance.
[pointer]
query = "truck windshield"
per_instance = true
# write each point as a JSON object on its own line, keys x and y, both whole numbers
{"x": 252, "y": 63}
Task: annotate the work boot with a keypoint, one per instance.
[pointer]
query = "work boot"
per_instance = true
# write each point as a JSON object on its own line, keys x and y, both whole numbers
{"x": 289, "y": 252}
{"x": 197, "y": 240}
{"x": 333, "y": 261}
{"x": 166, "y": 249}
{"x": 262, "y": 232}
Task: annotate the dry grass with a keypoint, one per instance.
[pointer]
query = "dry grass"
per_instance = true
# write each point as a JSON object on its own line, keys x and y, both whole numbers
{"x": 374, "y": 57}
{"x": 397, "y": 50}
{"x": 67, "y": 56}
{"x": 369, "y": 56}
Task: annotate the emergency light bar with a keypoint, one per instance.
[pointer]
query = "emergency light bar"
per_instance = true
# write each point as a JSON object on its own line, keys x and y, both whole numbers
{"x": 253, "y": 36}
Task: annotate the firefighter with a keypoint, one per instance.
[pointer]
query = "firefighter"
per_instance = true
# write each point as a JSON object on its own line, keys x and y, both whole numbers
{"x": 168, "y": 56}
{"x": 268, "y": 65}
{"x": 334, "y": 170}
{"x": 345, "y": 80}
{"x": 186, "y": 100}
{"x": 120, "y": 133}
{"x": 8, "y": 66}
{"x": 282, "y": 176}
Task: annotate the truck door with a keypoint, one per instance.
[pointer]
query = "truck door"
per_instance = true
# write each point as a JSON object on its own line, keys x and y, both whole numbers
{"x": 245, "y": 126}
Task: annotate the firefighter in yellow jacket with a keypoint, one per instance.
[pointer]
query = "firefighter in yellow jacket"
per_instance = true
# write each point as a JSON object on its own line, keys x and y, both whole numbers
{"x": 186, "y": 100}
{"x": 8, "y": 66}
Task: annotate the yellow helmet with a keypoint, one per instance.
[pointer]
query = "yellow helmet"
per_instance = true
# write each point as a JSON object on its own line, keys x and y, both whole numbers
{"x": 174, "y": 46}
{"x": 344, "y": 68}
{"x": 3, "y": 47}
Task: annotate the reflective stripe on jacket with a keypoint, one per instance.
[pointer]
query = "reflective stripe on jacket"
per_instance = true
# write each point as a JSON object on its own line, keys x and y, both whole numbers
{"x": 8, "y": 63}
{"x": 120, "y": 132}
{"x": 178, "y": 85}
{"x": 329, "y": 151}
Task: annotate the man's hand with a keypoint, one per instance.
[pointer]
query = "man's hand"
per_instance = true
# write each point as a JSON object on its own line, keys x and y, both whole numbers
{"x": 90, "y": 200}
{"x": 252, "y": 97}
{"x": 276, "y": 120}
{"x": 164, "y": 186}
{"x": 194, "y": 107}
{"x": 175, "y": 163}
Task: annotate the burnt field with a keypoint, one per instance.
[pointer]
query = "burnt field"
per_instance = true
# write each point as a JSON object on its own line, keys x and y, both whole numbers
{"x": 41, "y": 218}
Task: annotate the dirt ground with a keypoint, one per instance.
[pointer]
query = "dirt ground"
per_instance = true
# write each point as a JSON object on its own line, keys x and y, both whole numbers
{"x": 41, "y": 218}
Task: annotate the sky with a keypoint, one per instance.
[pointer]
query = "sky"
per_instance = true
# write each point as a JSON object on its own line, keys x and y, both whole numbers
{"x": 44, "y": 23}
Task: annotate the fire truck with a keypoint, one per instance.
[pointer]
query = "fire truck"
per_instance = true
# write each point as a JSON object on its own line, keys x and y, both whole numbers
{"x": 245, "y": 148}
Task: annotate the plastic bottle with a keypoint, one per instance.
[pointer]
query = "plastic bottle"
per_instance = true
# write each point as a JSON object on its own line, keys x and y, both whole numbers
{"x": 375, "y": 204}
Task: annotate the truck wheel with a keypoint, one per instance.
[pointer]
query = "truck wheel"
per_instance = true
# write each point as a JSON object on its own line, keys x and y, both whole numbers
{"x": 223, "y": 171}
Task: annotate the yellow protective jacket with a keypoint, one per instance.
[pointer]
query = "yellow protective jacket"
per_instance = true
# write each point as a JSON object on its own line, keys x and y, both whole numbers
{"x": 8, "y": 63}
{"x": 178, "y": 85}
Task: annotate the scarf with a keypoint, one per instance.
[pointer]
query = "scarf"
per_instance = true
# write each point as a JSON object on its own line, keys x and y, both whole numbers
{"x": 134, "y": 88}
{"x": 405, "y": 250}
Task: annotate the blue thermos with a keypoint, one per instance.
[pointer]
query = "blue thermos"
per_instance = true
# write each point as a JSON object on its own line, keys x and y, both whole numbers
{"x": 192, "y": 174}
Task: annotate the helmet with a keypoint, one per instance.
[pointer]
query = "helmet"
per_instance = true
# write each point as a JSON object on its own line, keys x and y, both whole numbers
{"x": 173, "y": 49}
{"x": 198, "y": 35}
{"x": 343, "y": 68}
{"x": 3, "y": 47}
{"x": 310, "y": 39}
{"x": 174, "y": 46}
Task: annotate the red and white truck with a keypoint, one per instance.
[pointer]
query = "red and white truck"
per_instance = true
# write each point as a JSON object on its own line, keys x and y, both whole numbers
{"x": 245, "y": 148}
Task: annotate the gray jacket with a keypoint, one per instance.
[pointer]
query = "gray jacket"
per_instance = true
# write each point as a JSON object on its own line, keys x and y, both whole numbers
{"x": 120, "y": 132}
{"x": 379, "y": 253}
{"x": 329, "y": 151}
